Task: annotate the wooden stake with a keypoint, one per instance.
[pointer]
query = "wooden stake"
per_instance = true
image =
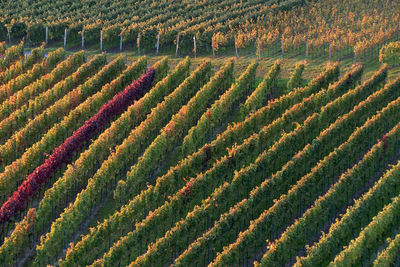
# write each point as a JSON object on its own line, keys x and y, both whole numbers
{"x": 9, "y": 36}
{"x": 158, "y": 42}
{"x": 236, "y": 50}
{"x": 83, "y": 38}
{"x": 194, "y": 46}
{"x": 177, "y": 45}
{"x": 47, "y": 35}
{"x": 120, "y": 43}
{"x": 101, "y": 40}
{"x": 307, "y": 49}
{"x": 138, "y": 43}
{"x": 65, "y": 37}
{"x": 212, "y": 46}
{"x": 259, "y": 48}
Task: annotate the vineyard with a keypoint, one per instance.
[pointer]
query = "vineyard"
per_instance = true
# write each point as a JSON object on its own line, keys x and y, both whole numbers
{"x": 105, "y": 162}
{"x": 336, "y": 29}
{"x": 200, "y": 133}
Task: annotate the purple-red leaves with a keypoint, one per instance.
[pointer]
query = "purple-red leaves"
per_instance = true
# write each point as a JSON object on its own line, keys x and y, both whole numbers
{"x": 64, "y": 153}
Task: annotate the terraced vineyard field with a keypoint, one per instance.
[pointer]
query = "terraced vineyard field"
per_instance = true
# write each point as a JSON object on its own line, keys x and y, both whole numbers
{"x": 314, "y": 29}
{"x": 104, "y": 163}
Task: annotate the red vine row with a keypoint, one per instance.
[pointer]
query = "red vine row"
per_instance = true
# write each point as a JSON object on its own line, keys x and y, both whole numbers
{"x": 64, "y": 153}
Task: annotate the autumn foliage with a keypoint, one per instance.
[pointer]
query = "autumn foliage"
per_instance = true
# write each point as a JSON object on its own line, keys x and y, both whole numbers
{"x": 64, "y": 153}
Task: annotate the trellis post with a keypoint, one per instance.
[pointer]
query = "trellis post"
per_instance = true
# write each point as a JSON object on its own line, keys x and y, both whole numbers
{"x": 158, "y": 42}
{"x": 194, "y": 46}
{"x": 213, "y": 47}
{"x": 101, "y": 40}
{"x": 9, "y": 36}
{"x": 138, "y": 43}
{"x": 236, "y": 50}
{"x": 307, "y": 49}
{"x": 177, "y": 45}
{"x": 65, "y": 37}
{"x": 47, "y": 35}
{"x": 83, "y": 38}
